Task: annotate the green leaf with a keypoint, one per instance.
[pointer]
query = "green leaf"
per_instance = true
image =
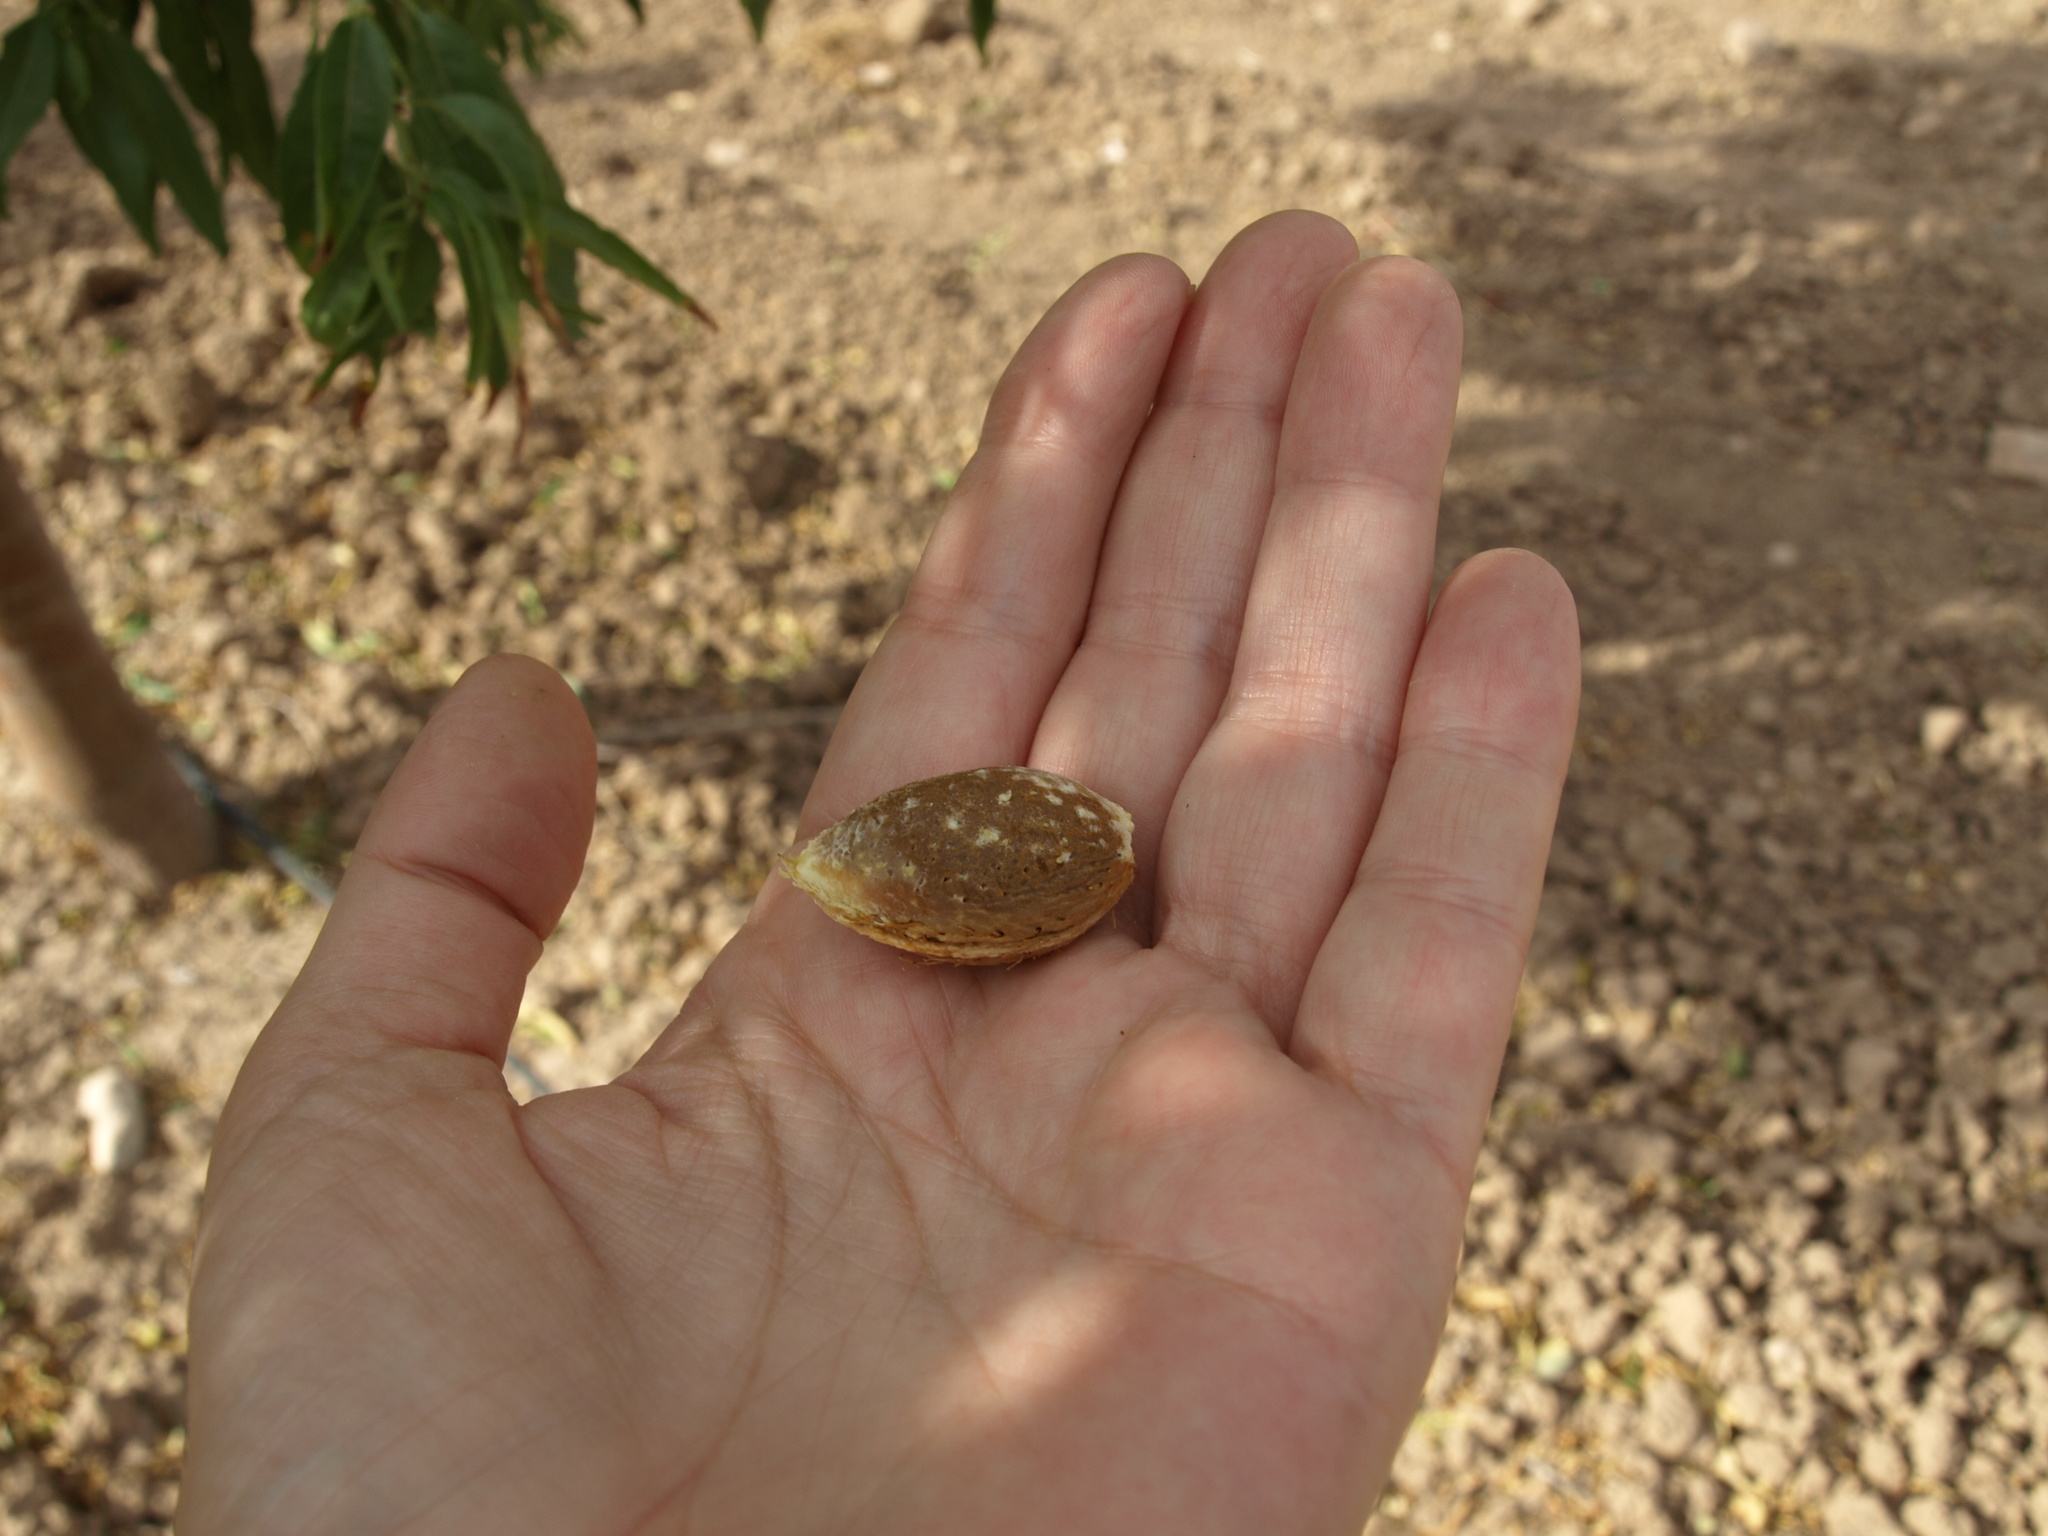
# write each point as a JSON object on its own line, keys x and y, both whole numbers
{"x": 377, "y": 285}
{"x": 577, "y": 229}
{"x": 181, "y": 37}
{"x": 139, "y": 93}
{"x": 298, "y": 154}
{"x": 403, "y": 256}
{"x": 558, "y": 283}
{"x": 405, "y": 260}
{"x": 511, "y": 149}
{"x": 351, "y": 115}
{"x": 28, "y": 82}
{"x": 488, "y": 260}
{"x": 208, "y": 45}
{"x": 981, "y": 17}
{"x": 100, "y": 127}
{"x": 337, "y": 296}
{"x": 445, "y": 60}
{"x": 757, "y": 13}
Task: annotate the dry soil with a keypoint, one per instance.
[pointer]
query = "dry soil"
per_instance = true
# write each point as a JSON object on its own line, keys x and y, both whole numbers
{"x": 1759, "y": 1235}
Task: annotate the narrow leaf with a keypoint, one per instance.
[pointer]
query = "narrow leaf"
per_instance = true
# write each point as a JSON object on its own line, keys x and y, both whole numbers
{"x": 338, "y": 295}
{"x": 446, "y": 61}
{"x": 181, "y": 37}
{"x": 101, "y": 129}
{"x": 558, "y": 283}
{"x": 298, "y": 153}
{"x": 405, "y": 260}
{"x": 28, "y": 81}
{"x": 208, "y": 45}
{"x": 489, "y": 265}
{"x": 352, "y": 113}
{"x": 585, "y": 233}
{"x": 160, "y": 125}
{"x": 511, "y": 149}
{"x": 757, "y": 13}
{"x": 981, "y": 17}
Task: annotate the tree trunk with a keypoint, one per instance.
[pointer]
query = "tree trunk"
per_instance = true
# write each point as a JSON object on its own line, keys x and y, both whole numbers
{"x": 89, "y": 748}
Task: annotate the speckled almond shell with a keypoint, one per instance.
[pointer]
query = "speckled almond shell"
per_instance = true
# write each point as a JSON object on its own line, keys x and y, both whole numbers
{"x": 984, "y": 867}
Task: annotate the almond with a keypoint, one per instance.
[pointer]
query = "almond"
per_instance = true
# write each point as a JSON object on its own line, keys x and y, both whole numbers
{"x": 984, "y": 867}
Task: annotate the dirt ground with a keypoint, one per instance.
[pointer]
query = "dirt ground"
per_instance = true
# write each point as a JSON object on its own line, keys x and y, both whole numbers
{"x": 1760, "y": 1235}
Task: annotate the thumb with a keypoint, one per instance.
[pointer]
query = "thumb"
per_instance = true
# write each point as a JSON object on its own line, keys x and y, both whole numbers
{"x": 473, "y": 851}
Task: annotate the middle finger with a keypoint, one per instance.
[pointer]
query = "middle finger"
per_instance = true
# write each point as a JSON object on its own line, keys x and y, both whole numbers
{"x": 1143, "y": 688}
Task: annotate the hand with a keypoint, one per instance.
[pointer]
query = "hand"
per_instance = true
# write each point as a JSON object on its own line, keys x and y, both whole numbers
{"x": 1154, "y": 1235}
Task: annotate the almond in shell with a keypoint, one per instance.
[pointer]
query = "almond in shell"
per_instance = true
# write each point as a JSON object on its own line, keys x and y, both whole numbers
{"x": 984, "y": 867}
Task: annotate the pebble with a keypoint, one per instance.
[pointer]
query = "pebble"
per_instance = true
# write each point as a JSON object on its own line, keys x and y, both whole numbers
{"x": 1880, "y": 1460}
{"x": 1671, "y": 1420}
{"x": 1527, "y": 13}
{"x": 1685, "y": 1319}
{"x": 1925, "y": 1515}
{"x": 1941, "y": 728}
{"x": 117, "y": 1122}
{"x": 910, "y": 22}
{"x": 182, "y": 401}
{"x": 1852, "y": 1510}
{"x": 1746, "y": 43}
{"x": 2018, "y": 453}
{"x": 1554, "y": 1360}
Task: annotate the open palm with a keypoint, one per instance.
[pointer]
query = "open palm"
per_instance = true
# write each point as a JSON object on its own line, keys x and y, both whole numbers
{"x": 1155, "y": 1234}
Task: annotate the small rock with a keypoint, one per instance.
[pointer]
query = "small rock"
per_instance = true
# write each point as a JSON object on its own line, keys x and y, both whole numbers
{"x": 1764, "y": 1459}
{"x": 1636, "y": 1154}
{"x": 1931, "y": 1443}
{"x": 1925, "y": 1515}
{"x": 1554, "y": 1360}
{"x": 2026, "y": 1006}
{"x": 2018, "y": 453}
{"x": 182, "y": 401}
{"x": 1868, "y": 1066}
{"x": 1747, "y": 43}
{"x": 1527, "y": 13}
{"x": 2004, "y": 961}
{"x": 875, "y": 75}
{"x": 117, "y": 1122}
{"x": 910, "y": 22}
{"x": 1684, "y": 1317}
{"x": 1671, "y": 1420}
{"x": 2028, "y": 1346}
{"x": 1851, "y": 1510}
{"x": 1635, "y": 1507}
{"x": 1880, "y": 1460}
{"x": 1750, "y": 1405}
{"x": 1941, "y": 728}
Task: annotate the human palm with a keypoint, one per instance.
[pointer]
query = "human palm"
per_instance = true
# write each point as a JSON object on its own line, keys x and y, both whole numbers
{"x": 1154, "y": 1234}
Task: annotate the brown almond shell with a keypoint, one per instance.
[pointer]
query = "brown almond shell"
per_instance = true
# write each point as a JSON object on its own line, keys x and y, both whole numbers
{"x": 984, "y": 867}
